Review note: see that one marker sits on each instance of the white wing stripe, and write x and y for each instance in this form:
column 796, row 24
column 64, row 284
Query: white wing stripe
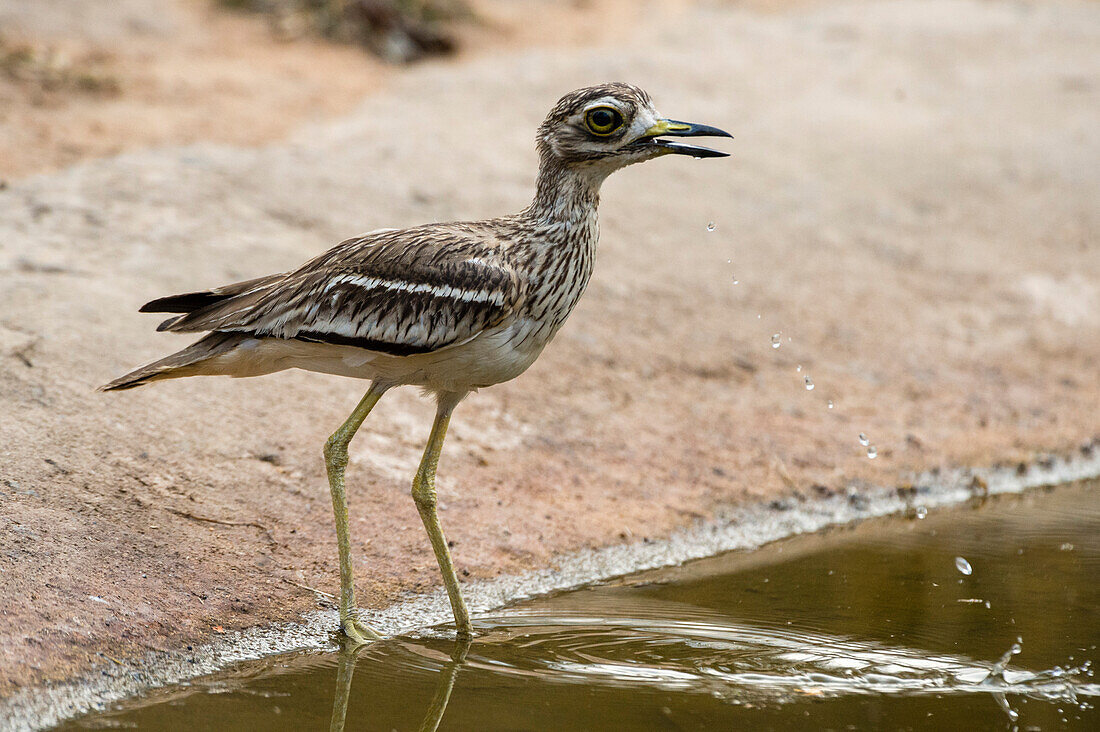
column 443, row 291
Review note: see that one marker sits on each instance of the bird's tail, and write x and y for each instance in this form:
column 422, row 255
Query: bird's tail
column 188, row 362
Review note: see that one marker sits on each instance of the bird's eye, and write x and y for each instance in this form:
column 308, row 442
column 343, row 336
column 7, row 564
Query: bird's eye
column 603, row 121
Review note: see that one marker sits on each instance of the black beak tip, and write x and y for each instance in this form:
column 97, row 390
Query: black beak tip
column 695, row 151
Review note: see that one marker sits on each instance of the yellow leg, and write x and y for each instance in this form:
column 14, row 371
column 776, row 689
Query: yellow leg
column 423, row 492
column 336, row 461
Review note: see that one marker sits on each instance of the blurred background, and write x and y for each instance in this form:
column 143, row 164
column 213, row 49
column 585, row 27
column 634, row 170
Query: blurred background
column 82, row 78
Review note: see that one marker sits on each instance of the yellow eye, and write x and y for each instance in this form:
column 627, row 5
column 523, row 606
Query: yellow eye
column 603, row 121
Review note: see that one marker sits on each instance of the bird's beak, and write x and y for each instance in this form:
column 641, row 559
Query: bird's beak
column 672, row 128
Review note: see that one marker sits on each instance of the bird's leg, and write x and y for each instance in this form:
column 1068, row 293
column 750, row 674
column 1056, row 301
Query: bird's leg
column 423, row 492
column 336, row 461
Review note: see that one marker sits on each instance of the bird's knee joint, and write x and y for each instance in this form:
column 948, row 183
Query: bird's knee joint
column 423, row 493
column 336, row 450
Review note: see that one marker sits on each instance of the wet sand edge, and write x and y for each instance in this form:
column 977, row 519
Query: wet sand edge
column 740, row 528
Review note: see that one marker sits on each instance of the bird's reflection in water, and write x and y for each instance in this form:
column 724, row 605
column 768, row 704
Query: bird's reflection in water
column 345, row 670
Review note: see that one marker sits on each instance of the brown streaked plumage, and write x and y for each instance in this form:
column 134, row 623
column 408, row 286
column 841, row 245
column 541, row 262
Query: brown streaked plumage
column 448, row 307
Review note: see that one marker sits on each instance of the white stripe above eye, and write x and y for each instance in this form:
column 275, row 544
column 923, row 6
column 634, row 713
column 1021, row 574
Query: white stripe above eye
column 605, row 102
column 443, row 291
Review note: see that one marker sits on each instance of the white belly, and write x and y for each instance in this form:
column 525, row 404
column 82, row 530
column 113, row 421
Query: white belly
column 494, row 356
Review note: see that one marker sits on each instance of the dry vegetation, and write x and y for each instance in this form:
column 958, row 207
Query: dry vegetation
column 398, row 31
column 43, row 70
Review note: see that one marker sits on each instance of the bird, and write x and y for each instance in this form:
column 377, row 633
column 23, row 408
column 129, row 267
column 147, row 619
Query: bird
column 447, row 307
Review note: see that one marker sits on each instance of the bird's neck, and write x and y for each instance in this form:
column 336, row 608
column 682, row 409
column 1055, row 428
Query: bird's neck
column 565, row 195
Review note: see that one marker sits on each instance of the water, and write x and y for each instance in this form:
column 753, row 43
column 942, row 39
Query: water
column 868, row 627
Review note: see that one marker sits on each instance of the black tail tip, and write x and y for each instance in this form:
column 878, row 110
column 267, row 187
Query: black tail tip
column 123, row 384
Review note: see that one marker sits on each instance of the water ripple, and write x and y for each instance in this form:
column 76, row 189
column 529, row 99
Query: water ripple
column 729, row 660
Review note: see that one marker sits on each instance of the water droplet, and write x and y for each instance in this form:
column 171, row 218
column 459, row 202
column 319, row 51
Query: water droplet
column 922, row 511
column 798, row 368
column 729, row 261
column 998, row 670
column 1067, row 547
column 775, row 341
column 759, row 316
column 711, row 226
column 831, row 405
column 963, row 566
column 987, row 604
column 735, row 280
column 863, row 440
column 872, row 452
column 809, row 383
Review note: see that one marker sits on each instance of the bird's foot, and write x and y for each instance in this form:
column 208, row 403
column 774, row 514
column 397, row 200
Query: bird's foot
column 358, row 632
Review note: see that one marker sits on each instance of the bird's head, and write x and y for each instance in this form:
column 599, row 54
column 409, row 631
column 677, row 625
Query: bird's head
column 606, row 127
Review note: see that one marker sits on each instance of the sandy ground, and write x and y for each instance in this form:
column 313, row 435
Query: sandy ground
column 911, row 205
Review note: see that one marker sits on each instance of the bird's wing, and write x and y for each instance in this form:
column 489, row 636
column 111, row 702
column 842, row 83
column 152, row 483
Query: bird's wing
column 189, row 302
column 399, row 292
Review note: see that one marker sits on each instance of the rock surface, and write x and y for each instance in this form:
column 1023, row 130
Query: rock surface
column 911, row 206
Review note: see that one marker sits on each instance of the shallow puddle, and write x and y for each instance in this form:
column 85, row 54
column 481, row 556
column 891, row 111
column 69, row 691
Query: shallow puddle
column 891, row 624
